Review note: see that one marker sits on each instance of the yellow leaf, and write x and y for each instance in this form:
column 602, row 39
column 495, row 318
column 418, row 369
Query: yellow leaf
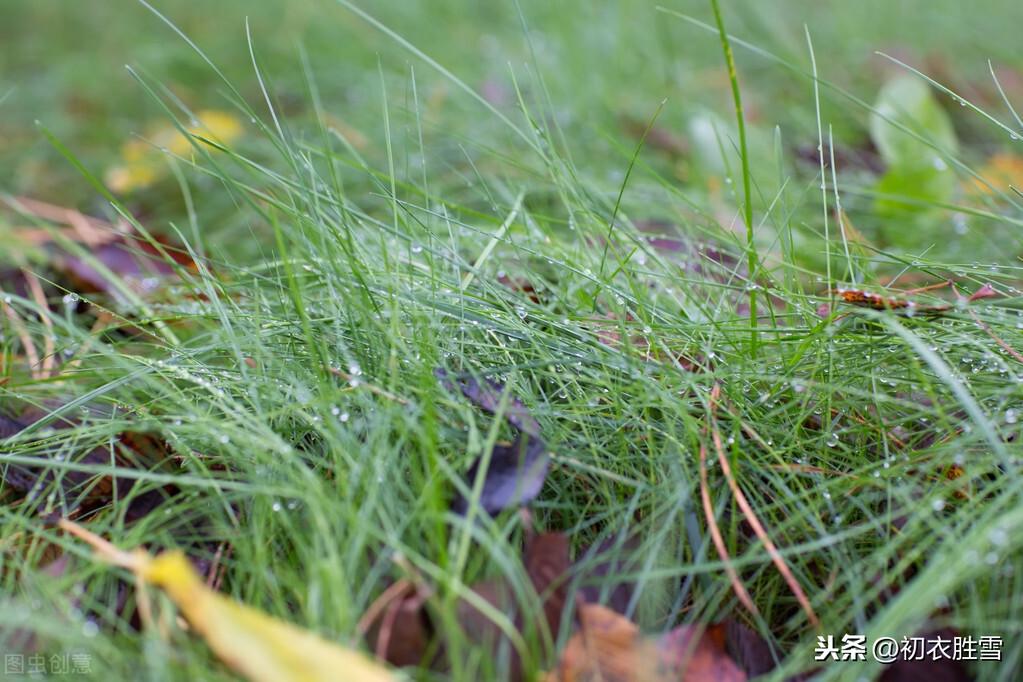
column 141, row 162
column 261, row 648
column 1000, row 171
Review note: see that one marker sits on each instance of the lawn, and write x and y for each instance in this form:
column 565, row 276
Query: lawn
column 431, row 326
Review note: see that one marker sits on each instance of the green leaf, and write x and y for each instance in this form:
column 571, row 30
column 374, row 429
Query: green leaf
column 918, row 177
column 909, row 102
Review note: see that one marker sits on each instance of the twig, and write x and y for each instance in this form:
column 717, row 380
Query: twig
column 719, row 541
column 1005, row 346
column 26, row 339
column 106, row 550
column 381, row 603
column 751, row 517
column 39, row 297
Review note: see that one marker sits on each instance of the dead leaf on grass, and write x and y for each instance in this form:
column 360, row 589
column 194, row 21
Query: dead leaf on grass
column 610, row 648
column 142, row 164
column 256, row 645
column 513, row 473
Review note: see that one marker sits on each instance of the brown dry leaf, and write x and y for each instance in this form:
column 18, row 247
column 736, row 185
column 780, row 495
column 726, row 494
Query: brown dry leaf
column 903, row 304
column 141, row 265
column 610, row 648
column 547, row 564
column 696, row 654
column 607, row 329
column 604, row 648
column 397, row 626
column 519, row 284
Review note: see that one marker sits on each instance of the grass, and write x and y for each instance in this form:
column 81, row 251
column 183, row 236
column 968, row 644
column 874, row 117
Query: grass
column 355, row 238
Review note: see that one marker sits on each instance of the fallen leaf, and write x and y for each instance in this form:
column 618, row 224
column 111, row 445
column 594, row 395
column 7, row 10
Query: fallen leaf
column 862, row 158
column 519, row 284
column 547, row 565
column 397, row 625
column 862, row 298
column 84, row 247
column 137, row 263
column 999, row 173
column 918, row 177
column 480, row 629
column 488, row 395
column 259, row 647
column 750, row 651
column 85, row 229
column 693, row 653
column 142, row 163
column 513, row 474
column 603, row 649
column 610, row 648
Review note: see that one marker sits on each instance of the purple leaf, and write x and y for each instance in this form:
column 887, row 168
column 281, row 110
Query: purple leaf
column 488, row 396
column 514, row 474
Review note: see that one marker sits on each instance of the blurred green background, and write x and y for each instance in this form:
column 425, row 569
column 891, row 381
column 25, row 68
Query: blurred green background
column 596, row 70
